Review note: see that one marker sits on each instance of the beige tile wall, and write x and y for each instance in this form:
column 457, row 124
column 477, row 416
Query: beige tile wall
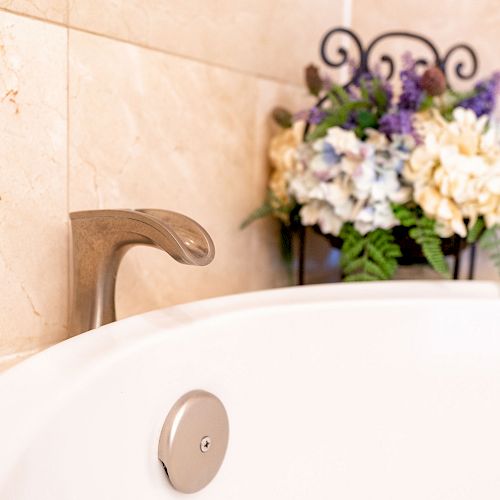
column 258, row 37
column 446, row 22
column 140, row 104
column 185, row 137
column 50, row 10
column 33, row 181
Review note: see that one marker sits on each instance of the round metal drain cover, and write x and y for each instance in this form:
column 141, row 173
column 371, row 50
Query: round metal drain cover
column 193, row 440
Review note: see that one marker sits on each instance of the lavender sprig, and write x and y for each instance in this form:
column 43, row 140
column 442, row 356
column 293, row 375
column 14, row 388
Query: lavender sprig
column 412, row 92
column 484, row 100
column 397, row 122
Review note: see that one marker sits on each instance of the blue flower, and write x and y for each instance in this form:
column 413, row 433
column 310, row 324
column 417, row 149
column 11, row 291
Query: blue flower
column 329, row 155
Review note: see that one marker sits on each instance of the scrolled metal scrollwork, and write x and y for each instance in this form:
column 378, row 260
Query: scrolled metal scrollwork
column 389, row 59
column 460, row 65
column 365, row 55
column 342, row 51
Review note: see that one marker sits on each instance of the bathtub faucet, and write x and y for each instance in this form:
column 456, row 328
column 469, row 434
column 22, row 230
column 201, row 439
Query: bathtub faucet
column 100, row 238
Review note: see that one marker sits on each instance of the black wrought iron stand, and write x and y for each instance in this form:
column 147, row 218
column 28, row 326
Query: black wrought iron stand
column 457, row 254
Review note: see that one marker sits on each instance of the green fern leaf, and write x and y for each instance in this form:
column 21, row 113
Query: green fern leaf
column 263, row 211
column 353, row 265
column 435, row 257
column 376, row 270
column 381, row 260
column 353, row 252
column 271, row 206
column 369, row 257
column 422, row 230
column 406, row 216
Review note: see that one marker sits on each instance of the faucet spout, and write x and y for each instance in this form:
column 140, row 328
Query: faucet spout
column 100, row 238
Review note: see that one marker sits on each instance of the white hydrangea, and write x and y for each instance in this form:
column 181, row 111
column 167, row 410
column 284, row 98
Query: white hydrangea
column 343, row 179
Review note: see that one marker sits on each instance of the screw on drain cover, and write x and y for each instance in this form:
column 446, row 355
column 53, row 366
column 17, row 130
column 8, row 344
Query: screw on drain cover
column 196, row 423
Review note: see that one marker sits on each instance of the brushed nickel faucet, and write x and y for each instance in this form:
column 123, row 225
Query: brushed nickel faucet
column 100, row 238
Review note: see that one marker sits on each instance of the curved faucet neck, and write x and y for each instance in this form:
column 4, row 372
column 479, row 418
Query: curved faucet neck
column 100, row 239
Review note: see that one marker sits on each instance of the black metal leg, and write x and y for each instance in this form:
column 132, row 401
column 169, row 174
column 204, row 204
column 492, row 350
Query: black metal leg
column 302, row 254
column 456, row 270
column 472, row 262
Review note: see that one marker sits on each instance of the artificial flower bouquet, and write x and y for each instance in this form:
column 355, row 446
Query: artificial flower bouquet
column 365, row 167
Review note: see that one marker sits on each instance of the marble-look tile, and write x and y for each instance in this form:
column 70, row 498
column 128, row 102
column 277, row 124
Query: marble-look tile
column 52, row 10
column 33, row 209
column 447, row 22
column 276, row 39
column 153, row 130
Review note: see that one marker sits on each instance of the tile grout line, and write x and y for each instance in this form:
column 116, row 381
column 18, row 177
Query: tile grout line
column 68, row 222
column 347, row 13
column 347, row 22
column 140, row 45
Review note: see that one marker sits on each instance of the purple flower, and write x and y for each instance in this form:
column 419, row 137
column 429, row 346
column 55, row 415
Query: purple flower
column 397, row 122
column 362, row 77
column 483, row 102
column 314, row 116
column 351, row 122
column 386, row 85
column 412, row 92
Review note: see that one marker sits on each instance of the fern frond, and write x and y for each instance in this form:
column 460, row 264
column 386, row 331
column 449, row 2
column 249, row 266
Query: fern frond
column 475, row 231
column 422, row 229
column 431, row 248
column 370, row 257
column 406, row 216
column 384, row 257
column 352, row 251
column 263, row 211
column 375, row 270
column 351, row 266
column 271, row 206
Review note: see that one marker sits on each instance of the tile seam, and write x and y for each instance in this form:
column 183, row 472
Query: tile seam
column 68, row 26
column 68, row 205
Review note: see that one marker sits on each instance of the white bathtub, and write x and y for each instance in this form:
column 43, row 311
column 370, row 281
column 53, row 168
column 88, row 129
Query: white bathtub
column 349, row 392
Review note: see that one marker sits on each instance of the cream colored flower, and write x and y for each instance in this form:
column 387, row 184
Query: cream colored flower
column 283, row 153
column 456, row 171
column 321, row 213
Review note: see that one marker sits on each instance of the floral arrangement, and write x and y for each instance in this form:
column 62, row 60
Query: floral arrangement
column 365, row 166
